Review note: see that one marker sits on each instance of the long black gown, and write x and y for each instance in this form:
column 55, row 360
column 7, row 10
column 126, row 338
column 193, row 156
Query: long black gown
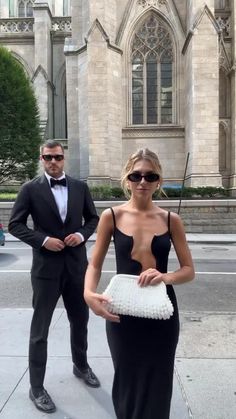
column 143, row 350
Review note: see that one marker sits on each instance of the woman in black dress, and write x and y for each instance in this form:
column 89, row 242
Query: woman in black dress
column 142, row 350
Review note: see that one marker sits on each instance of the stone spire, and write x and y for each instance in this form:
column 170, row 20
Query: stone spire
column 85, row 12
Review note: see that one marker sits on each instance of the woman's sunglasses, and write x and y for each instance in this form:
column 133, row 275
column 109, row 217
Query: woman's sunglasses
column 49, row 157
column 137, row 177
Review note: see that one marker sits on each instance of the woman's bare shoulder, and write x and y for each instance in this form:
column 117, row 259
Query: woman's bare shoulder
column 108, row 211
column 119, row 209
column 165, row 213
column 107, row 214
column 106, row 223
column 176, row 224
column 175, row 217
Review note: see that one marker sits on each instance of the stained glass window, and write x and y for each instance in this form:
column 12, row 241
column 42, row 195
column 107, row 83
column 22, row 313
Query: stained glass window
column 152, row 73
column 29, row 8
column 21, row 9
column 137, row 89
column 25, row 8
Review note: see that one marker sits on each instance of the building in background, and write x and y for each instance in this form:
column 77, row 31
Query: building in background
column 115, row 75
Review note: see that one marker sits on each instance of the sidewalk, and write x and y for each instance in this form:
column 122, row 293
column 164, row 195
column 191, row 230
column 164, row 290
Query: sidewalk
column 205, row 367
column 73, row 398
column 204, row 382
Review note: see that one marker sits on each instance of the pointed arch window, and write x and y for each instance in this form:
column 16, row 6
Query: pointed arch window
column 21, row 9
column 152, row 73
column 25, row 8
column 66, row 7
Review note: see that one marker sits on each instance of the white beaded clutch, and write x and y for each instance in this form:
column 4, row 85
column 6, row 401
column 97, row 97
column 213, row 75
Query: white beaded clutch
column 128, row 298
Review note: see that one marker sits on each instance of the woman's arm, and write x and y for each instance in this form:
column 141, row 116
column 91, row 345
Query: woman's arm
column 95, row 301
column 186, row 271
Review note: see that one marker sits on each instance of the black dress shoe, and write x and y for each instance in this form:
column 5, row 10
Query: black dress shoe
column 43, row 401
column 87, row 375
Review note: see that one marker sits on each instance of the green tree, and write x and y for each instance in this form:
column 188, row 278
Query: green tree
column 19, row 122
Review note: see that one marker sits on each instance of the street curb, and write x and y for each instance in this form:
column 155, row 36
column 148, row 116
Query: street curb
column 200, row 240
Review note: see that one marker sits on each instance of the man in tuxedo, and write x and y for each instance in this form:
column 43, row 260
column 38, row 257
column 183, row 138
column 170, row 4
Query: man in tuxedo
column 64, row 217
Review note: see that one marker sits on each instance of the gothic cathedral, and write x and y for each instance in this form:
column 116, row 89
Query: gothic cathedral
column 112, row 76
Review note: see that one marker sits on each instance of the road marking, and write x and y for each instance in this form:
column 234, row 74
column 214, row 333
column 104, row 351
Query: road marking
column 199, row 273
column 213, row 273
column 113, row 272
column 16, row 248
column 14, row 271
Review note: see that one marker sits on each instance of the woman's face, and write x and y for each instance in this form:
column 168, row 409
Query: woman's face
column 143, row 187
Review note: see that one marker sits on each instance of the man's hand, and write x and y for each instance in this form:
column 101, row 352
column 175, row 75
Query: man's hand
column 73, row 240
column 53, row 244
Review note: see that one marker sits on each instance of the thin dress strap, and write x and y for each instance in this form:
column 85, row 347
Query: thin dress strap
column 113, row 216
column 168, row 223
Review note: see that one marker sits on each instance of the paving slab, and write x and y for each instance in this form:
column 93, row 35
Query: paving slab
column 207, row 335
column 209, row 386
column 73, row 398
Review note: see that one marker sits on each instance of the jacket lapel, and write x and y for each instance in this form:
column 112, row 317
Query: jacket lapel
column 71, row 194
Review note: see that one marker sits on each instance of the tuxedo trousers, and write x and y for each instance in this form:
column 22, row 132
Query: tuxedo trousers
column 46, row 293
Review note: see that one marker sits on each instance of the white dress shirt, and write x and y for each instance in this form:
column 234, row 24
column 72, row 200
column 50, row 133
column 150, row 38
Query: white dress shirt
column 60, row 194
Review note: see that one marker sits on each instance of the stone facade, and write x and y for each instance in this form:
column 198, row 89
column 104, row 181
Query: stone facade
column 115, row 75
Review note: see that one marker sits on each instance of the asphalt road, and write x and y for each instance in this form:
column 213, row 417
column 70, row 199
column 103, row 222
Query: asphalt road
column 213, row 289
column 205, row 367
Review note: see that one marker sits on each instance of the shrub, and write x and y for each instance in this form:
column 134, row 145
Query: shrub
column 115, row 193
column 19, row 122
column 205, row 192
column 101, row 192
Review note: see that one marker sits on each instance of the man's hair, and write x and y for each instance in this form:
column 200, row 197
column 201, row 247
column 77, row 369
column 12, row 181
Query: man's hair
column 51, row 144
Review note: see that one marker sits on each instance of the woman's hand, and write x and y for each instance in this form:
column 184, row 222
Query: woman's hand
column 150, row 277
column 97, row 302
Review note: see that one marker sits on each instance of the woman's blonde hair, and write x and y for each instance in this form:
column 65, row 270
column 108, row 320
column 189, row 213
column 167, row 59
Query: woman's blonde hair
column 141, row 154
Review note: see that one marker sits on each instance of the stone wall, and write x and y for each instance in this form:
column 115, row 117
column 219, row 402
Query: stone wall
column 215, row 216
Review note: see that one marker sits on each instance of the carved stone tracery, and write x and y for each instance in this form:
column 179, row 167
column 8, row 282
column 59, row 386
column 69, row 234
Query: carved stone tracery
column 16, row 25
column 19, row 25
column 165, row 132
column 224, row 24
column 148, row 3
column 61, row 24
column 152, row 37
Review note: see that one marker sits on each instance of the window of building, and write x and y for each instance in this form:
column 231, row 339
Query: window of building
column 152, row 73
column 65, row 8
column 25, row 8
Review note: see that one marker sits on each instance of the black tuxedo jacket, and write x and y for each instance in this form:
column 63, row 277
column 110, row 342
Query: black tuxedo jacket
column 36, row 199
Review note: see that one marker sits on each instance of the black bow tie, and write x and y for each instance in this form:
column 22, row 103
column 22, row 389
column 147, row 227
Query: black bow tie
column 54, row 182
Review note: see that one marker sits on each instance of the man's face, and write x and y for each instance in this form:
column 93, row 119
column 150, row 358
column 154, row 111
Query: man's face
column 52, row 166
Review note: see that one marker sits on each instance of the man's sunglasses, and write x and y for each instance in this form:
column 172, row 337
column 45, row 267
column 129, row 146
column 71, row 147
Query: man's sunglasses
column 137, row 177
column 49, row 157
